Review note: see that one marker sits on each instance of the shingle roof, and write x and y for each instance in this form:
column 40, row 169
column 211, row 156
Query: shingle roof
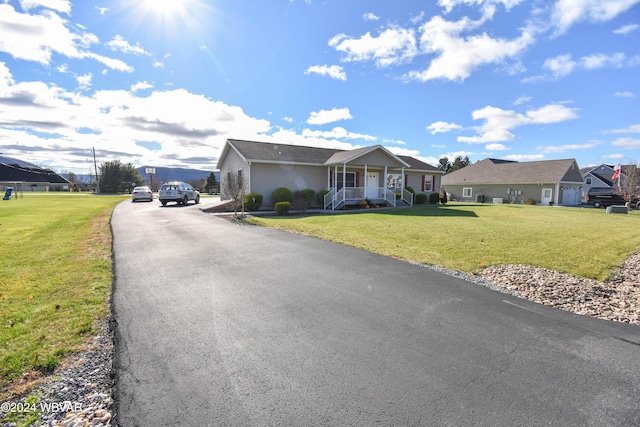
column 21, row 173
column 418, row 164
column 494, row 171
column 252, row 150
column 269, row 152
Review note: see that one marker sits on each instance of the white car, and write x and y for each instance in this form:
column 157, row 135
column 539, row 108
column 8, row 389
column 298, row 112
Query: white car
column 179, row 192
column 141, row 193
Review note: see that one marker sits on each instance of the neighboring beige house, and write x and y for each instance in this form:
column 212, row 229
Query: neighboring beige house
column 350, row 176
column 547, row 182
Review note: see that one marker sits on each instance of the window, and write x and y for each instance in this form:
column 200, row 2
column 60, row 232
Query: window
column 239, row 174
column 467, row 192
column 351, row 180
column 427, row 182
column 588, row 181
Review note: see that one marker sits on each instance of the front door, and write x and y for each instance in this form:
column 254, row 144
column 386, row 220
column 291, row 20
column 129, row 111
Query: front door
column 547, row 196
column 372, row 185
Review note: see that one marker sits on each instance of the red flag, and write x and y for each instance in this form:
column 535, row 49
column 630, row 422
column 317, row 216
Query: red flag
column 616, row 172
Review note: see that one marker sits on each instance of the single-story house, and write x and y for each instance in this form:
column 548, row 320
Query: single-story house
column 24, row 176
column 544, row 182
column 349, row 176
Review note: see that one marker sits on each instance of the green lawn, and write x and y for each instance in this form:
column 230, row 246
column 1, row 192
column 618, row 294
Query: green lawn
column 55, row 277
column 468, row 237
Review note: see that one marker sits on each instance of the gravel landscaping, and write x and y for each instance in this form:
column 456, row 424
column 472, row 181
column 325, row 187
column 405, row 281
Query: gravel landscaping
column 86, row 380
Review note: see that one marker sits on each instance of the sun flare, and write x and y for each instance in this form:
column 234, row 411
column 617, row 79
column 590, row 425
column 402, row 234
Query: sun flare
column 165, row 8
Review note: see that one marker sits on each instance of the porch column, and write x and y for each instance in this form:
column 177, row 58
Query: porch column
column 365, row 180
column 402, row 181
column 384, row 182
column 328, row 177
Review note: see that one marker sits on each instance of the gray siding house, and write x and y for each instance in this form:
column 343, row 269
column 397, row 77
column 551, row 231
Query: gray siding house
column 545, row 182
column 349, row 176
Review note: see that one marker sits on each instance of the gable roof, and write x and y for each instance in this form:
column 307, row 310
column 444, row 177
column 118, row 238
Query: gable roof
column 416, row 164
column 267, row 152
column 26, row 172
column 496, row 171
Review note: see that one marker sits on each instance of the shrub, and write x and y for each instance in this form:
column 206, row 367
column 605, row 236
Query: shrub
column 300, row 202
column 434, row 198
column 282, row 208
column 529, row 202
column 252, row 202
column 282, row 195
column 320, row 196
column 309, row 194
column 410, row 190
column 421, row 199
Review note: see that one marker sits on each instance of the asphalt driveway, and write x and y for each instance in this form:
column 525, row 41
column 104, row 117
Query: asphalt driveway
column 226, row 324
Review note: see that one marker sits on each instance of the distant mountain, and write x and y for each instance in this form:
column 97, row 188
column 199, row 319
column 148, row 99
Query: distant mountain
column 176, row 174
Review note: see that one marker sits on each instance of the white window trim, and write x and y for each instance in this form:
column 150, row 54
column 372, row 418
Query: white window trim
column 466, row 190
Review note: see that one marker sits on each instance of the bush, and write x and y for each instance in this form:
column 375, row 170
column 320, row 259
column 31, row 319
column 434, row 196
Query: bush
column 300, row 202
column 421, row 199
column 434, row 198
column 309, row 195
column 320, row 196
column 529, row 202
column 410, row 190
column 252, row 202
column 282, row 195
column 282, row 208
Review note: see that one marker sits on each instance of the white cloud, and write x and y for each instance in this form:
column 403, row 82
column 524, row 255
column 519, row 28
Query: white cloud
column 336, row 133
column 393, row 46
column 120, row 44
column 334, row 71
column 630, row 129
column 495, row 147
column 141, row 86
column 288, row 119
column 488, row 6
column 102, row 10
column 626, row 29
column 569, row 12
column 566, row 147
column 190, row 136
column 599, row 60
column 625, row 94
column 157, row 64
column 456, row 56
column 329, row 116
column 63, row 6
column 442, row 127
column 37, row 37
column 370, row 17
column 524, row 157
column 498, row 123
column 522, row 100
column 628, row 143
column 561, row 65
column 84, row 81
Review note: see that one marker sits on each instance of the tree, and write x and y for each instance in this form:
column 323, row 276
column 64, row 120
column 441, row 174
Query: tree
column 458, row 163
column 116, row 177
column 212, row 184
column 628, row 186
column 233, row 187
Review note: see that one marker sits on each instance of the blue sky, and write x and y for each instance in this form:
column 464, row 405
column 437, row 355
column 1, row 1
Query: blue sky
column 166, row 82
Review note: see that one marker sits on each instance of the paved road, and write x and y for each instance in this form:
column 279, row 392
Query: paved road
column 225, row 324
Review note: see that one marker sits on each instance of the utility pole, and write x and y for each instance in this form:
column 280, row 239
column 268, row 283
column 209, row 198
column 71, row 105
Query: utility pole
column 95, row 165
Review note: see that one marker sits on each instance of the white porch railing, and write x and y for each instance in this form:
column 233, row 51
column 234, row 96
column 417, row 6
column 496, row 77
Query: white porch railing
column 355, row 194
column 407, row 197
column 328, row 198
column 390, row 196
